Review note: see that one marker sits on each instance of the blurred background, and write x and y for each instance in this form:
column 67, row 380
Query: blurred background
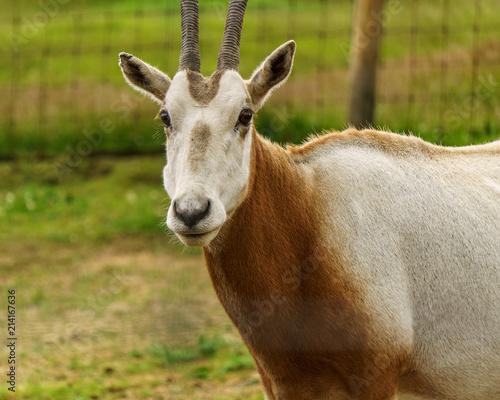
column 109, row 304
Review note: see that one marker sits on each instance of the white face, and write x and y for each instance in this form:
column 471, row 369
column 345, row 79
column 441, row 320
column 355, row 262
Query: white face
column 208, row 152
column 209, row 137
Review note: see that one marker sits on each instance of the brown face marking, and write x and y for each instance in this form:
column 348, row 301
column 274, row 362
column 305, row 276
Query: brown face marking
column 243, row 131
column 199, row 141
column 202, row 89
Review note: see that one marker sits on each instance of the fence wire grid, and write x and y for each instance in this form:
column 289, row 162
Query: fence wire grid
column 438, row 72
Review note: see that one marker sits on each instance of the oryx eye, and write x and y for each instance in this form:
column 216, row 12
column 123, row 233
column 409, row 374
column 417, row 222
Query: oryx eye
column 245, row 117
column 165, row 117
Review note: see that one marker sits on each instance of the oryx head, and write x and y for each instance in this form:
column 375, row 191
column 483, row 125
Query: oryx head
column 208, row 123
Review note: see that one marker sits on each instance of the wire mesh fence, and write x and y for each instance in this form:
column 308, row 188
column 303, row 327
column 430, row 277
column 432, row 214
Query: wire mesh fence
column 438, row 73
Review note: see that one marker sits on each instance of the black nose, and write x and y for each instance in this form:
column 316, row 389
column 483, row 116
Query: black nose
column 191, row 217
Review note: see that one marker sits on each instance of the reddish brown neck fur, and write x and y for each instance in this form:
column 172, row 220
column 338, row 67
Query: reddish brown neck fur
column 299, row 314
column 248, row 263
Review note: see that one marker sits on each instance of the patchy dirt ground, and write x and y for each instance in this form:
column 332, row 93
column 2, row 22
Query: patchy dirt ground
column 127, row 319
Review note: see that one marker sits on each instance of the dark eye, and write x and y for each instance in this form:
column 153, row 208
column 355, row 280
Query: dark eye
column 165, row 117
column 245, row 117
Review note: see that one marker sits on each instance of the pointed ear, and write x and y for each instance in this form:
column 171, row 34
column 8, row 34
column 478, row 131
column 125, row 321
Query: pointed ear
column 144, row 77
column 272, row 73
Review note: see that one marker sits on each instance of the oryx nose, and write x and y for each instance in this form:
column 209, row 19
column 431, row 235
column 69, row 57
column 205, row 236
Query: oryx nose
column 192, row 215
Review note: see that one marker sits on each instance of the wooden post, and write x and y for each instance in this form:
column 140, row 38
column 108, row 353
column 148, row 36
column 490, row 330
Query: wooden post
column 367, row 27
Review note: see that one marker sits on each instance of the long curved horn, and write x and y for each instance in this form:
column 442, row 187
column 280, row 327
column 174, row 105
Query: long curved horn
column 229, row 54
column 190, row 50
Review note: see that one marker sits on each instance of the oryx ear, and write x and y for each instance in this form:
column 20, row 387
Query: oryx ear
column 272, row 73
column 144, row 77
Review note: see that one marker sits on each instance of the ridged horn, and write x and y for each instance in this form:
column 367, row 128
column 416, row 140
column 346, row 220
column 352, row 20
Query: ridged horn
column 229, row 54
column 190, row 50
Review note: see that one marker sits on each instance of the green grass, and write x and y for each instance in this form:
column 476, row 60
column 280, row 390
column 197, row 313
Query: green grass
column 109, row 305
column 65, row 78
column 99, row 200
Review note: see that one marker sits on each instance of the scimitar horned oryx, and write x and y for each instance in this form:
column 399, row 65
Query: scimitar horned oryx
column 359, row 265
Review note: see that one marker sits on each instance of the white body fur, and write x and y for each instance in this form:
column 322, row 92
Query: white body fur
column 423, row 237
